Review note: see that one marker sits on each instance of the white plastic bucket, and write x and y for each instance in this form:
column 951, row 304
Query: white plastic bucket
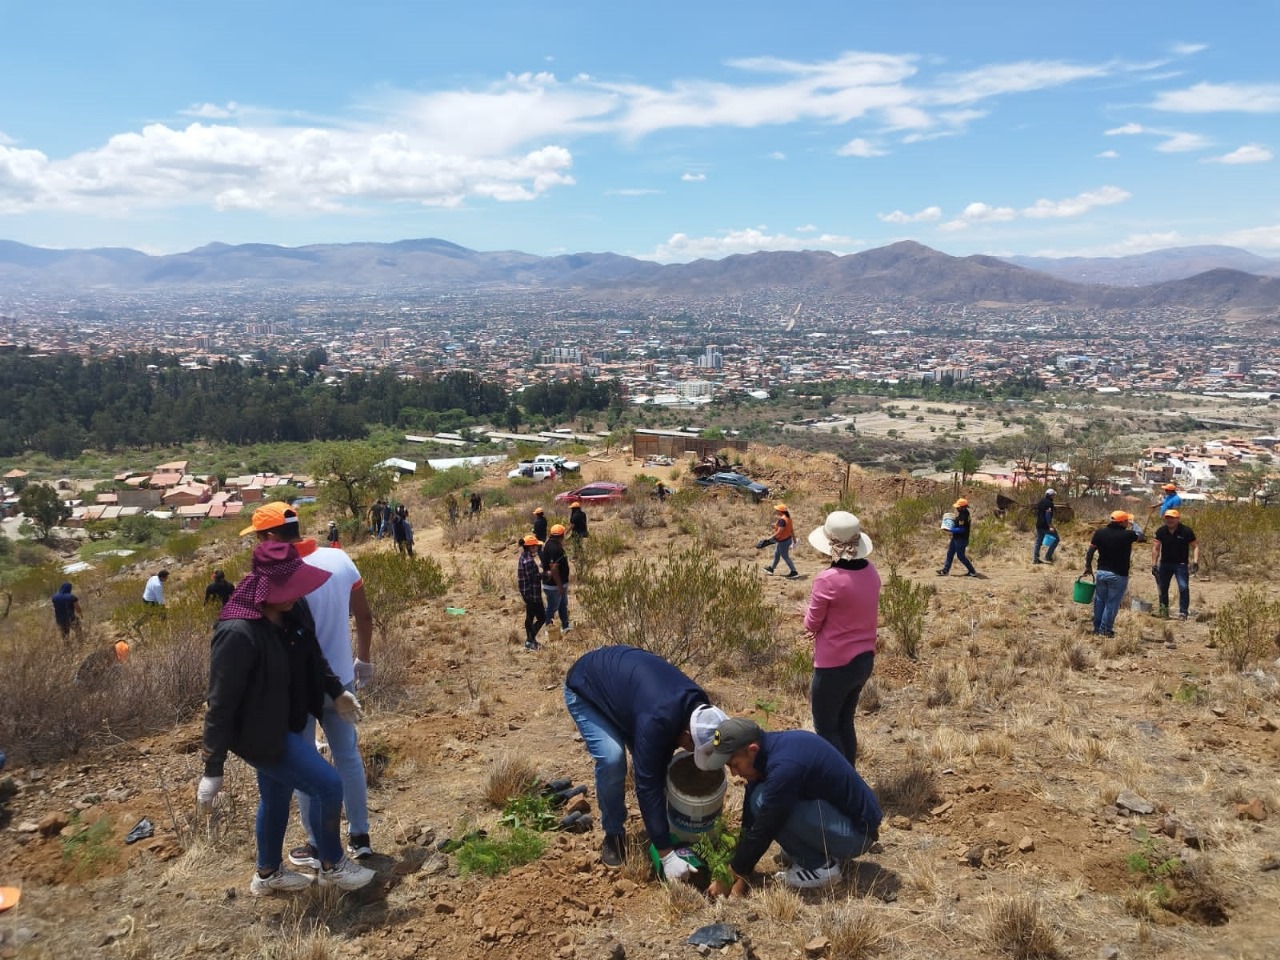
column 694, row 797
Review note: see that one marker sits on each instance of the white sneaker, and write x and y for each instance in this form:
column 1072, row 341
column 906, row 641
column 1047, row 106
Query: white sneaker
column 346, row 875
column 804, row 878
column 282, row 881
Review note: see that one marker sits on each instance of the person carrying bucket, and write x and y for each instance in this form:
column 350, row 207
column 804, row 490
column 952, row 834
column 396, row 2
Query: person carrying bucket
column 800, row 792
column 623, row 698
column 1113, row 544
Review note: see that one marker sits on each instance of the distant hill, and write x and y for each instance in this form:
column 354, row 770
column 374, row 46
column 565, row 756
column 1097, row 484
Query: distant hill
column 1158, row 266
column 903, row 271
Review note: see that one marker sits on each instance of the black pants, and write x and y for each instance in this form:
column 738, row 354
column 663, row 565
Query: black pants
column 535, row 615
column 833, row 697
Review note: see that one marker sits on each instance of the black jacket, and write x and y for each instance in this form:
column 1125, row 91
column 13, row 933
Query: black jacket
column 540, row 527
column 1044, row 513
column 264, row 680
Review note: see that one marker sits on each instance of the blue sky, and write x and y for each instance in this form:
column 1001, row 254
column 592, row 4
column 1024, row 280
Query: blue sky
column 662, row 130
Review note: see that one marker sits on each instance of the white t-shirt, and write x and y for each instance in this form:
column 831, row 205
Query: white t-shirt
column 154, row 590
column 331, row 607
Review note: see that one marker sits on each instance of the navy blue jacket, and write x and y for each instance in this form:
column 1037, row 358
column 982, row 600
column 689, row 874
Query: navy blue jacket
column 648, row 701
column 797, row 765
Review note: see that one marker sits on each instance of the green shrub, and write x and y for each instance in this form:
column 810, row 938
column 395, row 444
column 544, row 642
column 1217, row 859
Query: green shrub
column 903, row 605
column 683, row 606
column 394, row 584
column 182, row 546
column 1247, row 628
column 438, row 483
column 491, row 856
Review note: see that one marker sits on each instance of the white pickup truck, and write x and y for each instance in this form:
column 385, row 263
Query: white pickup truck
column 533, row 471
column 560, row 463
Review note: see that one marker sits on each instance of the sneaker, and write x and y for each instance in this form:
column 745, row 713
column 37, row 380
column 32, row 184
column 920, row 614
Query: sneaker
column 1048, row 559
column 768, row 569
column 1037, row 561
column 531, row 645
column 346, row 875
column 972, row 573
column 944, row 573
column 802, row 878
column 305, row 856
column 613, row 850
column 282, row 881
column 358, row 845
column 1182, row 616
column 566, row 628
column 793, row 575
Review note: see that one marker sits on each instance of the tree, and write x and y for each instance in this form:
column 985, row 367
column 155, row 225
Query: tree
column 350, row 478
column 1094, row 458
column 42, row 506
column 966, row 463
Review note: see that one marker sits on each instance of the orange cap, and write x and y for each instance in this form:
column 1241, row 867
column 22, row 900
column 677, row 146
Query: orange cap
column 962, row 502
column 269, row 516
column 576, row 503
column 1119, row 516
column 1170, row 487
column 780, row 507
column 537, row 511
column 531, row 541
column 1176, row 514
column 557, row 530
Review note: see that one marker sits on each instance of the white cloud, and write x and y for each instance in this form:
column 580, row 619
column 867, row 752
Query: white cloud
column 693, row 177
column 807, row 228
column 632, row 192
column 1004, row 78
column 1077, row 205
column 211, row 111
column 860, row 147
column 278, row 169
column 1188, row 49
column 1249, row 153
column 951, row 226
column 682, row 247
column 1255, row 238
column 985, row 213
column 777, row 155
column 1106, row 155
column 1221, row 97
column 1182, row 142
column 927, row 215
column 1175, row 141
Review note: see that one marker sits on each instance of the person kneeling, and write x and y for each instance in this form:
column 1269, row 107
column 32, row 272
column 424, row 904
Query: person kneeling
column 800, row 792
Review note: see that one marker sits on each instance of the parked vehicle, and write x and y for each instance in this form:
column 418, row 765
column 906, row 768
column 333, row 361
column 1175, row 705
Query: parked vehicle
column 603, row 492
column 560, row 463
column 740, row 482
column 533, row 471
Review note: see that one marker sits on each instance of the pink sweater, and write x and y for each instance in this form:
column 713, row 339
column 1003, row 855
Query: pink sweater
column 843, row 610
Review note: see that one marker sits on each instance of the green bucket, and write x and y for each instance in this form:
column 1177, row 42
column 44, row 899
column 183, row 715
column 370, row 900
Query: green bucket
column 1082, row 592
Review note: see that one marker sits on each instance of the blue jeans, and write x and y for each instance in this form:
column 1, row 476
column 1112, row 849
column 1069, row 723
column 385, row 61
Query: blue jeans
column 815, row 832
column 956, row 551
column 605, row 744
column 557, row 600
column 1108, row 592
column 1040, row 538
column 299, row 768
column 1167, row 572
column 345, row 755
column 782, row 552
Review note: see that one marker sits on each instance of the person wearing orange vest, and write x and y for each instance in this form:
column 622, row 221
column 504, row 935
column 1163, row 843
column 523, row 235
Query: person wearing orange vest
column 783, row 534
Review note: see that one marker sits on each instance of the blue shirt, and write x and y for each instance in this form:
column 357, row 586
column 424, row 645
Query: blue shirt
column 648, row 702
column 1171, row 502
column 796, row 765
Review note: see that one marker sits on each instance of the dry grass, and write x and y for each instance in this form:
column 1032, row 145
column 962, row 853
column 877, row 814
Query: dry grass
column 853, row 931
column 910, row 793
column 1017, row 929
column 510, row 777
column 680, row 901
column 780, row 904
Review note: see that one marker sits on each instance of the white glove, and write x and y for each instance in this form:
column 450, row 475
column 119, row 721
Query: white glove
column 348, row 707
column 364, row 672
column 209, row 788
column 676, row 867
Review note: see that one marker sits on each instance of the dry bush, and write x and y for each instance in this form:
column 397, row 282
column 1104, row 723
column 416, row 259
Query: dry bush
column 910, row 793
column 852, row 929
column 1247, row 628
column 680, row 901
column 903, row 606
column 779, row 903
column 870, row 700
column 1018, row 929
column 644, row 513
column 510, row 777
column 1077, row 657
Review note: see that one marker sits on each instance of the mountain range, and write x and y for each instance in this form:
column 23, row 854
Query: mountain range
column 1201, row 278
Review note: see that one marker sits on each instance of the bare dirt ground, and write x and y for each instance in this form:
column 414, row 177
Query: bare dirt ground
column 1002, row 756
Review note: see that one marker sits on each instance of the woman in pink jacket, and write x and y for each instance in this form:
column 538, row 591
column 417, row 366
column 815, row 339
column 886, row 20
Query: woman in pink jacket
column 844, row 608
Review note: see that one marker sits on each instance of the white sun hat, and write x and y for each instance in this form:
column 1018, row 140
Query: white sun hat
column 841, row 537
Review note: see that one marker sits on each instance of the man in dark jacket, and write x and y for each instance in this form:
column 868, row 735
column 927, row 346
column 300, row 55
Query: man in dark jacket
column 219, row 588
column 540, row 524
column 1044, row 525
column 66, row 610
column 1113, row 544
column 801, row 792
column 623, row 698
column 555, row 579
column 577, row 521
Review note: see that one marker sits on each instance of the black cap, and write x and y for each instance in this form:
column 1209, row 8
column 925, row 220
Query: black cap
column 730, row 737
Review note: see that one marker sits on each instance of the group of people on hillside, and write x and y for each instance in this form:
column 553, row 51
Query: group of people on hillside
column 542, row 573
column 386, row 519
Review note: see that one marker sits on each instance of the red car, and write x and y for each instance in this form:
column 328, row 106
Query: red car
column 603, row 492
